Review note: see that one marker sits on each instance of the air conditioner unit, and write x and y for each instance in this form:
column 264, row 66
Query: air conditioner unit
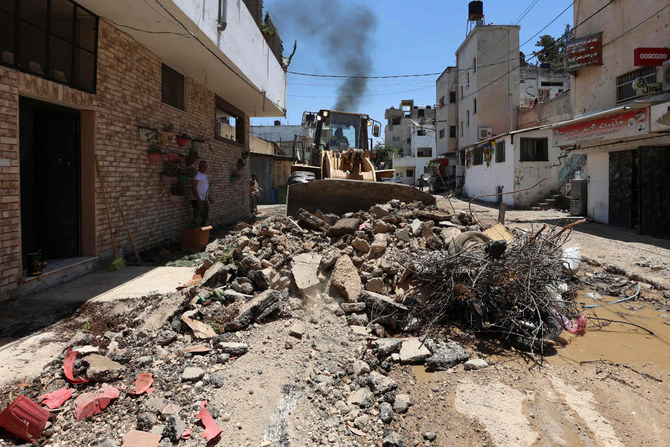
column 665, row 75
column 485, row 132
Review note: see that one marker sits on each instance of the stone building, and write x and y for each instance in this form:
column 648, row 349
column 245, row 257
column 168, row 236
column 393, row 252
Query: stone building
column 79, row 82
column 399, row 122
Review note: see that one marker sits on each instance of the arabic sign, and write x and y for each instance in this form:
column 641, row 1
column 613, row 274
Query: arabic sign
column 624, row 124
column 643, row 88
column 651, row 56
column 584, row 52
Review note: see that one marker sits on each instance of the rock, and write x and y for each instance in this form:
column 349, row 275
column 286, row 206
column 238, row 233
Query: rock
column 246, row 288
column 449, row 234
column 361, row 397
column 385, row 412
column 413, row 351
column 362, row 421
column 255, row 309
column 232, row 296
column 434, row 242
column 233, row 348
column 427, row 229
column 403, row 234
column 329, row 259
column 386, row 346
column 475, row 364
column 375, row 285
column 101, row 368
column 380, row 384
column 216, row 379
column 251, row 262
column 379, row 211
column 594, row 296
column 174, row 429
column 106, row 442
column 401, row 404
column 393, row 440
column 216, row 274
column 192, row 374
column 445, row 355
column 435, row 215
column 344, row 226
column 360, row 367
column 305, row 270
column 361, row 245
column 242, row 242
column 154, row 404
column 222, row 358
column 349, row 308
column 415, row 227
column 297, row 329
column 380, row 227
column 311, row 221
column 345, row 279
column 261, row 278
column 357, row 320
column 146, row 421
column 379, row 244
column 429, row 436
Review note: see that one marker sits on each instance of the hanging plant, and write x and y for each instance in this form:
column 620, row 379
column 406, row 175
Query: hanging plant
column 234, row 176
column 244, row 155
column 240, row 164
column 155, row 150
column 488, row 153
column 182, row 140
column 468, row 158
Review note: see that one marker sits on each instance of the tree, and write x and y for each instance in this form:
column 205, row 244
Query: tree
column 552, row 51
column 384, row 154
column 522, row 59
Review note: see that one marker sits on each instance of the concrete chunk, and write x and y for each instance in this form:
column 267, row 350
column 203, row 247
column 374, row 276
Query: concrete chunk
column 305, row 270
column 413, row 351
column 345, row 278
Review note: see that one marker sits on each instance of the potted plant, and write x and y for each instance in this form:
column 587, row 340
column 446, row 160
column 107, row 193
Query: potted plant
column 186, row 175
column 155, row 149
column 169, row 174
column 146, row 133
column 177, row 191
column 195, row 237
column 192, row 155
column 182, row 140
column 167, row 134
column 267, row 29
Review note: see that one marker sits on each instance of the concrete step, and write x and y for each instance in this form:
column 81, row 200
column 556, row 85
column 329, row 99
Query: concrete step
column 57, row 271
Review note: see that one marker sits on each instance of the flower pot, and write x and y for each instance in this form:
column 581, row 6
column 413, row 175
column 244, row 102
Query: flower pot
column 182, row 141
column 166, row 137
column 145, row 133
column 266, row 37
column 173, row 157
column 168, row 179
column 190, row 160
column 155, row 157
column 194, row 240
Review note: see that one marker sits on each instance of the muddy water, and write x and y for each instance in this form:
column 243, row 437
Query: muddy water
column 620, row 343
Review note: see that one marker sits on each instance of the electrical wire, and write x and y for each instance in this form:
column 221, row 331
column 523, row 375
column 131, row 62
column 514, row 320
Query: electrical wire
column 645, row 20
column 144, row 30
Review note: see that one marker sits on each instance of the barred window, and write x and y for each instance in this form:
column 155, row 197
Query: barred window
column 624, row 83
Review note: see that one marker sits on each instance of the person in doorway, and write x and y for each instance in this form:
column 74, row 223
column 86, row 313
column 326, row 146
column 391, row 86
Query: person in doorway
column 200, row 190
column 422, row 183
column 339, row 141
column 254, row 194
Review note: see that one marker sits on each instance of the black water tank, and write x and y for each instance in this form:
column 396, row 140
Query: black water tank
column 475, row 10
column 277, row 123
column 545, row 65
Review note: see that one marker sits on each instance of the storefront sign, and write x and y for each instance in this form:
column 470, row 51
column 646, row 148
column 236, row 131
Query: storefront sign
column 643, row 88
column 624, row 124
column 584, row 52
column 651, row 56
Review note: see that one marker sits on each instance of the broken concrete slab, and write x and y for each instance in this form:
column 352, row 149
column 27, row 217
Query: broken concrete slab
column 413, row 351
column 349, row 308
column 345, row 279
column 305, row 270
column 380, row 384
column 297, row 330
column 362, row 397
column 256, row 308
column 192, row 374
column 403, row 234
column 415, row 227
column 380, row 226
column 386, row 346
column 344, row 226
column 379, row 211
column 475, row 364
column 445, row 355
column 379, row 244
column 233, row 348
column 361, row 245
column 101, row 368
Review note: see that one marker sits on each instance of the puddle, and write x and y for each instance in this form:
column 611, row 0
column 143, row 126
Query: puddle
column 276, row 431
column 620, row 343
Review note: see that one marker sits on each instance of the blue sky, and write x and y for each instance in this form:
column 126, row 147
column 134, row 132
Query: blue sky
column 411, row 37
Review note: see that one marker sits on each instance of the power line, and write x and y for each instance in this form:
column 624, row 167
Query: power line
column 645, row 20
column 363, row 77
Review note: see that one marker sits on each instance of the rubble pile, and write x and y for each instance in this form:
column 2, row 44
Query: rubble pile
column 148, row 379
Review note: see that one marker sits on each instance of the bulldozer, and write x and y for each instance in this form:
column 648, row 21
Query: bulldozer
column 338, row 176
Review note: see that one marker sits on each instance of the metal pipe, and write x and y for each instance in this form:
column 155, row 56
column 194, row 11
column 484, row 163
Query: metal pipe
column 223, row 15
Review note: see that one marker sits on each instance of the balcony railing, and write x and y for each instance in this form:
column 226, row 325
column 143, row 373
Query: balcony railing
column 255, row 7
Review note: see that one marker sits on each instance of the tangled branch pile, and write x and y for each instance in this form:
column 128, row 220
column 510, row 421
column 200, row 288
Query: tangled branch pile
column 522, row 295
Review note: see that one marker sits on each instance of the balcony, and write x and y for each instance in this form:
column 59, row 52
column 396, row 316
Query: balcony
column 234, row 61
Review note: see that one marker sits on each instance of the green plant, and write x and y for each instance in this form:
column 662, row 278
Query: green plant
column 234, row 176
column 218, row 327
column 199, row 216
column 170, row 169
column 227, row 256
column 169, row 127
column 86, row 326
column 155, row 143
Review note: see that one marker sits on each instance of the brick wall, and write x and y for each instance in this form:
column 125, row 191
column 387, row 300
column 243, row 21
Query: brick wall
column 128, row 94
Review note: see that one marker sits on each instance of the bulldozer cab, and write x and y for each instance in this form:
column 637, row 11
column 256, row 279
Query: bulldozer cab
column 340, row 131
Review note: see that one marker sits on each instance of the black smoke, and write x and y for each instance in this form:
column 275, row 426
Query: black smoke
column 340, row 32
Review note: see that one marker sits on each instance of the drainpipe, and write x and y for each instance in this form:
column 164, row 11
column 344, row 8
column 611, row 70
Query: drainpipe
column 223, row 15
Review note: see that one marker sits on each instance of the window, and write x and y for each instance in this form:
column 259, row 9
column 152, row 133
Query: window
column 467, row 123
column 229, row 123
column 442, row 101
column 421, row 132
column 544, row 94
column 452, row 97
column 172, row 87
column 409, row 140
column 58, row 42
column 474, row 64
column 461, row 92
column 396, row 138
column 474, row 112
column 441, row 133
column 500, row 151
column 410, row 173
column 478, row 156
column 395, row 120
column 461, row 157
column 624, row 83
column 534, row 149
column 424, row 152
column 452, row 131
column 551, row 84
column 467, row 77
column 421, row 113
column 461, row 128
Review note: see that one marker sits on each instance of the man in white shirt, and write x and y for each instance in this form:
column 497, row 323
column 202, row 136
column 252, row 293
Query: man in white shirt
column 200, row 190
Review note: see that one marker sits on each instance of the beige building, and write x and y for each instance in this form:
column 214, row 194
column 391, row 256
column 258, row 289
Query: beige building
column 620, row 104
column 447, row 111
column 399, row 124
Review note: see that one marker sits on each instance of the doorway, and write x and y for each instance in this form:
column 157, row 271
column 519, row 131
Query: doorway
column 50, row 179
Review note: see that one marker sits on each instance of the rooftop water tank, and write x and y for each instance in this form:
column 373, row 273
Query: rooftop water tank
column 475, row 10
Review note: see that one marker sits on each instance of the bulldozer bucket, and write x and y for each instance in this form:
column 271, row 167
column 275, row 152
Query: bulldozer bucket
column 343, row 196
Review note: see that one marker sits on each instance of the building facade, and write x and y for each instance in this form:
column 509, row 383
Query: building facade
column 113, row 71
column 399, row 123
column 621, row 104
column 409, row 168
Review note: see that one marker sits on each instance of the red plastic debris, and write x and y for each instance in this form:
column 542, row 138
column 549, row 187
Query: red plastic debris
column 57, row 398
column 89, row 404
column 70, row 355
column 186, row 434
column 212, row 431
column 577, row 327
column 24, row 418
column 143, row 383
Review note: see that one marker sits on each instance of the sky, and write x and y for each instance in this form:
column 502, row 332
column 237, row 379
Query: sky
column 405, row 37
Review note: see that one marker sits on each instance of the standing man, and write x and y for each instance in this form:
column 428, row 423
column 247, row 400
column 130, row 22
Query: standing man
column 200, row 190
